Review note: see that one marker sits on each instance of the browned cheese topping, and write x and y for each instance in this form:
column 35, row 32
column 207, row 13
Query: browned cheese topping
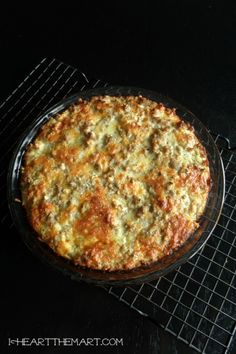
column 114, row 183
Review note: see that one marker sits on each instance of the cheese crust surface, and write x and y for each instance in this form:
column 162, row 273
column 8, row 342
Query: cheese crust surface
column 114, row 183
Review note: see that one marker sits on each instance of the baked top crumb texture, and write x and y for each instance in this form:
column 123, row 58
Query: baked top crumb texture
column 114, row 183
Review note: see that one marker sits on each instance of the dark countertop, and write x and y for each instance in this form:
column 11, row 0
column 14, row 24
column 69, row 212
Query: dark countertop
column 186, row 51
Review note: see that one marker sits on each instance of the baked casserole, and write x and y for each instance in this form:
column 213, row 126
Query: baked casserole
column 115, row 182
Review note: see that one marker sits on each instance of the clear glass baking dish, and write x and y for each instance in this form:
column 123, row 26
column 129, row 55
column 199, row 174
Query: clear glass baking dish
column 195, row 242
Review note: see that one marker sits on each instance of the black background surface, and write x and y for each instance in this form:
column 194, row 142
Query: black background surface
column 183, row 49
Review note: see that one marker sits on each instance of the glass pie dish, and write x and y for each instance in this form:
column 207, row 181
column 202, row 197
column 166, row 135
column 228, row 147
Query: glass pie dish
column 149, row 272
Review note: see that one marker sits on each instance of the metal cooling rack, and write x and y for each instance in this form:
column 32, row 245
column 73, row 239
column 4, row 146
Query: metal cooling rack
column 197, row 302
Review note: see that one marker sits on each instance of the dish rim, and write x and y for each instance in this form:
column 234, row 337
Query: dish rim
column 120, row 277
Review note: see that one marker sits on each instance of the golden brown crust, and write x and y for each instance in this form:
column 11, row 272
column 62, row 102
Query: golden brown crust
column 115, row 182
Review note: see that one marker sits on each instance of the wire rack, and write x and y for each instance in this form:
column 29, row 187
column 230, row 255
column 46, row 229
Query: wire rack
column 196, row 302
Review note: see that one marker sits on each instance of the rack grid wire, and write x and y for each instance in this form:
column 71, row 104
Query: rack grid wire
column 196, row 302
